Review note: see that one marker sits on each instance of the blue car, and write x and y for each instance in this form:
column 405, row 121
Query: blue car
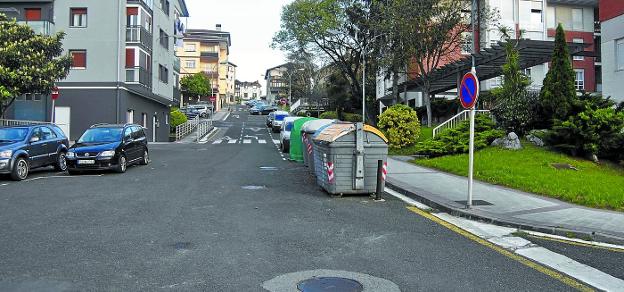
column 23, row 148
column 108, row 147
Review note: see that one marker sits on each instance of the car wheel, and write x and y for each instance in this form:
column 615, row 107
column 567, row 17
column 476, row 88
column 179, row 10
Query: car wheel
column 20, row 169
column 61, row 162
column 145, row 160
column 122, row 164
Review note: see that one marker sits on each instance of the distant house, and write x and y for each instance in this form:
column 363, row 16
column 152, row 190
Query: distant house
column 248, row 90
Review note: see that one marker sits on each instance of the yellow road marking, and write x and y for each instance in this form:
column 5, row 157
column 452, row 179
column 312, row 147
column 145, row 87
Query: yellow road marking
column 531, row 264
column 583, row 244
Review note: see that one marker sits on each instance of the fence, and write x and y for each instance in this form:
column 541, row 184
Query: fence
column 203, row 128
column 9, row 123
column 188, row 127
column 455, row 120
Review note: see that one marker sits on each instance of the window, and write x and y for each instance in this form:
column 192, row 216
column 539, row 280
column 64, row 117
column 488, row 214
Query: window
column 577, row 19
column 578, row 58
column 189, row 64
column 47, row 133
column 579, row 81
column 79, row 59
column 163, row 74
column 619, row 54
column 164, row 39
column 132, row 16
column 164, row 5
column 32, row 14
column 466, row 48
column 190, row 48
column 78, row 17
column 130, row 116
column 527, row 72
column 166, row 118
column 536, row 16
column 127, row 134
column 144, row 120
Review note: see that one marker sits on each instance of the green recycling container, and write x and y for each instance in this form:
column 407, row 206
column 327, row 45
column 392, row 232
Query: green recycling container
column 296, row 153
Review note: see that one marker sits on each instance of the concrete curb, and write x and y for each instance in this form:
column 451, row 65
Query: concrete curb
column 439, row 203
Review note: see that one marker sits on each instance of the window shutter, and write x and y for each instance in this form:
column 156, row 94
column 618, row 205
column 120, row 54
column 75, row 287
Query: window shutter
column 79, row 59
column 130, row 58
column 78, row 11
column 33, row 14
column 132, row 11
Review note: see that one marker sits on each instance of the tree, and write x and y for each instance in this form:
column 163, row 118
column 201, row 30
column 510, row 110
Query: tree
column 515, row 105
column 196, row 85
column 558, row 92
column 432, row 32
column 401, row 125
column 29, row 62
column 334, row 29
column 338, row 93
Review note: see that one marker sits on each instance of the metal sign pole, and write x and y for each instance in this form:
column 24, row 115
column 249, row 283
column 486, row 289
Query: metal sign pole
column 471, row 158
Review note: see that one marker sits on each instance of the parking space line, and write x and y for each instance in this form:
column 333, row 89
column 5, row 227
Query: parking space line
column 262, row 141
column 232, row 141
column 4, row 185
column 247, row 141
column 217, row 142
column 275, row 141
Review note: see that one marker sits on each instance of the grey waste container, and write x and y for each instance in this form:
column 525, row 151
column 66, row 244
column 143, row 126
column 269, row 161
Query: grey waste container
column 307, row 133
column 346, row 158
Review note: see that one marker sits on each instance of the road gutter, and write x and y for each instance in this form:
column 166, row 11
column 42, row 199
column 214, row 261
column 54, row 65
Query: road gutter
column 502, row 240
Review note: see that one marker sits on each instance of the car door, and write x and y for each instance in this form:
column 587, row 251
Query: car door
column 51, row 144
column 129, row 145
column 141, row 140
column 37, row 148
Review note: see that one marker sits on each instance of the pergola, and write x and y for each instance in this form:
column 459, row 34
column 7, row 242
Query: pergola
column 488, row 63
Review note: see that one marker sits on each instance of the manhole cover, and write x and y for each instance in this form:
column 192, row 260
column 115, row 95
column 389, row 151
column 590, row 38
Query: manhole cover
column 476, row 203
column 321, row 284
column 253, row 187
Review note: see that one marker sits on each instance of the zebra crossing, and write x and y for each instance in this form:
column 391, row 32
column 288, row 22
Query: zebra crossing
column 242, row 141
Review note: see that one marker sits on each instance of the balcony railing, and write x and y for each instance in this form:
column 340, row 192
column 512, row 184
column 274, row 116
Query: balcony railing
column 176, row 64
column 147, row 4
column 139, row 75
column 40, row 26
column 138, row 34
column 208, row 54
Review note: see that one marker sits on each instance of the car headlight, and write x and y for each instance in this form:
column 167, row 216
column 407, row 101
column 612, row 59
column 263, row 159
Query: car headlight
column 109, row 153
column 70, row 155
column 6, row 154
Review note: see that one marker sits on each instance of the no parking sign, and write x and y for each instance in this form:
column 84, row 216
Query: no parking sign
column 469, row 90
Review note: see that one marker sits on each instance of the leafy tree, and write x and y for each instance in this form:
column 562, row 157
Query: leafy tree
column 515, row 106
column 558, row 92
column 196, row 85
column 338, row 93
column 177, row 118
column 400, row 124
column 29, row 62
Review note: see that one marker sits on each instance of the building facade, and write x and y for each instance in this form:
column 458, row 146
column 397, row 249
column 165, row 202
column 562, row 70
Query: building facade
column 536, row 20
column 230, row 82
column 207, row 51
column 123, row 62
column 276, row 83
column 612, row 35
column 248, row 90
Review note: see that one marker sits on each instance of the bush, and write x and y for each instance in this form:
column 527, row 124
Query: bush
column 177, row 118
column 400, row 124
column 594, row 128
column 456, row 140
column 329, row 115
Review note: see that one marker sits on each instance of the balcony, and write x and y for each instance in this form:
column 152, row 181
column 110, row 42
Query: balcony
column 177, row 94
column 176, row 64
column 147, row 4
column 209, row 55
column 40, row 26
column 137, row 34
column 139, row 75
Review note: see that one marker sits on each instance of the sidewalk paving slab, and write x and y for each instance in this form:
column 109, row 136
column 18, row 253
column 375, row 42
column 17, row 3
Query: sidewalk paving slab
column 502, row 205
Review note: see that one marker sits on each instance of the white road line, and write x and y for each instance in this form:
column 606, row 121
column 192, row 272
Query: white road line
column 407, row 199
column 232, row 141
column 276, row 141
column 262, row 141
column 217, row 142
column 4, row 185
column 247, row 141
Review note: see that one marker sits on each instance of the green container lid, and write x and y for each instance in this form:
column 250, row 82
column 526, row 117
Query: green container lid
column 296, row 152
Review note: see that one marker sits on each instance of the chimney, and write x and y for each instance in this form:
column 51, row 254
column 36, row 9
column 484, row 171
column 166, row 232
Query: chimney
column 218, row 27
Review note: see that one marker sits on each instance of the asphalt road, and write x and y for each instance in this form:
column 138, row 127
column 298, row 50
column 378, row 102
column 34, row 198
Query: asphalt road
column 225, row 216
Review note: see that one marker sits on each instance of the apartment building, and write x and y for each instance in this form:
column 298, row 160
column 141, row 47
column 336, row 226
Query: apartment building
column 229, row 81
column 208, row 51
column 612, row 36
column 248, row 90
column 277, row 83
column 536, row 20
column 123, row 62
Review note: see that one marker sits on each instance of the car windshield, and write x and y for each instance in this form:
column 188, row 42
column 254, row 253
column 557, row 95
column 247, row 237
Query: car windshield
column 101, row 135
column 13, row 134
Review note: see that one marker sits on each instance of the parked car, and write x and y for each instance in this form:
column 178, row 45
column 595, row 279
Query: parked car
column 108, row 147
column 191, row 113
column 256, row 110
column 269, row 119
column 285, row 133
column 276, row 125
column 267, row 109
column 203, row 109
column 23, row 148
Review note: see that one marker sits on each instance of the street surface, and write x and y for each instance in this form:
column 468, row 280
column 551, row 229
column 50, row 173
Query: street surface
column 228, row 215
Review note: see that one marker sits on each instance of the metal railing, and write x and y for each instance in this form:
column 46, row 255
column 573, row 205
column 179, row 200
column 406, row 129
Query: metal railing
column 139, row 75
column 188, row 127
column 203, row 128
column 138, row 34
column 43, row 27
column 455, row 120
column 10, row 123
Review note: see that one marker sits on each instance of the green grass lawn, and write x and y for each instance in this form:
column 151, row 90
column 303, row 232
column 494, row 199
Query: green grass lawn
column 425, row 134
column 530, row 170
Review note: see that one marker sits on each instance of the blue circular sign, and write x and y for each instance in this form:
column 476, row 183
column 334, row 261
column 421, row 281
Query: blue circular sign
column 469, row 90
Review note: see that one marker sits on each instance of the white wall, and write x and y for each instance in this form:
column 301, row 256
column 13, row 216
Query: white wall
column 612, row 79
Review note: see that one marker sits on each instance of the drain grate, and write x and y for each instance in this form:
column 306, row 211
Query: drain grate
column 322, row 284
column 476, row 203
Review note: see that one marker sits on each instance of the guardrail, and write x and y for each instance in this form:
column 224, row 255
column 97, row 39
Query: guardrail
column 203, row 128
column 9, row 123
column 188, row 127
column 455, row 120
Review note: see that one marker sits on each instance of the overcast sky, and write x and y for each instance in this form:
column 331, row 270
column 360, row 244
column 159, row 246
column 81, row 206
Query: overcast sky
column 251, row 23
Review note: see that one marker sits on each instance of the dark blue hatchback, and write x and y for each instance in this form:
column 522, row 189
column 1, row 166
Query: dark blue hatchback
column 23, row 148
column 108, row 146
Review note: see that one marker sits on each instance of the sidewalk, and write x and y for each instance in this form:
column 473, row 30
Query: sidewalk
column 192, row 137
column 503, row 206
